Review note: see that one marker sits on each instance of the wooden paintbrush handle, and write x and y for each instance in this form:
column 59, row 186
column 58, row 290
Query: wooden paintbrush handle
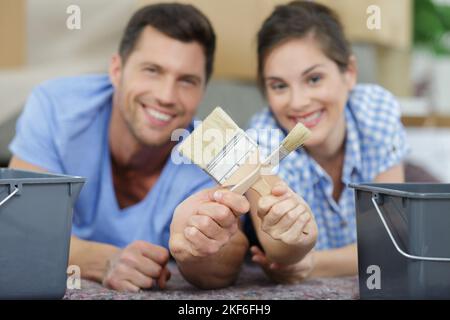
column 262, row 186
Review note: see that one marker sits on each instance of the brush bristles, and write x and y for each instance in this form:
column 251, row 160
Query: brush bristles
column 296, row 137
column 209, row 138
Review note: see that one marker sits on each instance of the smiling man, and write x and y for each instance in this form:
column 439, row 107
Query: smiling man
column 115, row 130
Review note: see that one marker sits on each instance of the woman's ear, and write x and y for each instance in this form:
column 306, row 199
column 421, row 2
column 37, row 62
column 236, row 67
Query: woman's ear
column 115, row 70
column 351, row 74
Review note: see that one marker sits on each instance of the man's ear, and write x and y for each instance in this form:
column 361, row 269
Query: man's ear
column 115, row 70
column 351, row 74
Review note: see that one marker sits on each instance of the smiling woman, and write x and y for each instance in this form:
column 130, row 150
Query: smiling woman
column 308, row 74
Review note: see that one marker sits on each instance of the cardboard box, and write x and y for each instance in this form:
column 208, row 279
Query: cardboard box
column 237, row 22
column 12, row 33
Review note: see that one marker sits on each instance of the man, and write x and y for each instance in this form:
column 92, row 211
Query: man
column 116, row 131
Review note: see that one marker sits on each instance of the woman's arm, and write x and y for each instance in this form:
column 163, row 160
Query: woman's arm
column 280, row 246
column 395, row 174
column 326, row 263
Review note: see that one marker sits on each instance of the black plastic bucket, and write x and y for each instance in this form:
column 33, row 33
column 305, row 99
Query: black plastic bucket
column 35, row 228
column 403, row 240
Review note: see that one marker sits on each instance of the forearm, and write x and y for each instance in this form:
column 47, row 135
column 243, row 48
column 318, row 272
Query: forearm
column 336, row 262
column 91, row 257
column 215, row 271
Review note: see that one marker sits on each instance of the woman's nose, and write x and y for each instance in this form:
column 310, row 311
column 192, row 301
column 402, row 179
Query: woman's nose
column 300, row 99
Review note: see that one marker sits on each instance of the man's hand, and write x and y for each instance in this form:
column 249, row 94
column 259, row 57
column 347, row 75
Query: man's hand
column 136, row 267
column 291, row 273
column 205, row 222
column 285, row 217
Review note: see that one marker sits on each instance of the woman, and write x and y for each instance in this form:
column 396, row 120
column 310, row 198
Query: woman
column 308, row 74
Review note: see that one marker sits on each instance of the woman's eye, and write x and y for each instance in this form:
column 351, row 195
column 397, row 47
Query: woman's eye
column 314, row 79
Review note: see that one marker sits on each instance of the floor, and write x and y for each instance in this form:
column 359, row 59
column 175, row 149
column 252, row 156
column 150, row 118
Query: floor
column 251, row 285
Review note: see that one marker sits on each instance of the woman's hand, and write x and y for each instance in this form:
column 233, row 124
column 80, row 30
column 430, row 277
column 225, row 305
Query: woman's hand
column 285, row 217
column 288, row 274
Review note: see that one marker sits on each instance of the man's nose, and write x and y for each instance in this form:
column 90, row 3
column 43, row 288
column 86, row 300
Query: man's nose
column 166, row 93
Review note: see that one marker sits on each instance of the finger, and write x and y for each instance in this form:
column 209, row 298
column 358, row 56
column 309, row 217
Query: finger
column 127, row 286
column 209, row 227
column 267, row 202
column 236, row 202
column 259, row 257
column 163, row 278
column 201, row 244
column 138, row 279
column 279, row 189
column 276, row 226
column 154, row 252
column 279, row 212
column 148, row 267
column 218, row 212
column 256, row 250
column 294, row 234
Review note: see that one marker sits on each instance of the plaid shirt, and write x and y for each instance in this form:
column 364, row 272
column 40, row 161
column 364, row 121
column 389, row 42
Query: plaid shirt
column 375, row 141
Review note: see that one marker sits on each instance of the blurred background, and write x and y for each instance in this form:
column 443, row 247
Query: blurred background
column 409, row 54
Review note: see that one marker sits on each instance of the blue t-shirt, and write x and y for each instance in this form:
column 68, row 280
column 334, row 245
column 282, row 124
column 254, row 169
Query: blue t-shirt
column 64, row 129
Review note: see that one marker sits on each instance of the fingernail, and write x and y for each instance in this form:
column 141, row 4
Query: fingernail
column 217, row 195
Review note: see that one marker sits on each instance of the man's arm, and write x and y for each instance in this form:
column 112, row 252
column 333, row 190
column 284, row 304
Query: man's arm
column 205, row 239
column 137, row 266
column 91, row 257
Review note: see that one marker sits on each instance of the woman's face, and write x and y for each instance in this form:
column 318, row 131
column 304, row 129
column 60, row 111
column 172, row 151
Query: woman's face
column 303, row 85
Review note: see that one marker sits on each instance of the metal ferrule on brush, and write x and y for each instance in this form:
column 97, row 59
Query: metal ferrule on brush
column 232, row 156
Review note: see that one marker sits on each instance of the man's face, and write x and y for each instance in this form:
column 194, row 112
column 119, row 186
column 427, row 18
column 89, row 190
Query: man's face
column 160, row 86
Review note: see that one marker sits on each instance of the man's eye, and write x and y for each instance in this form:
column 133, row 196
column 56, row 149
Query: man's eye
column 189, row 82
column 151, row 70
column 277, row 86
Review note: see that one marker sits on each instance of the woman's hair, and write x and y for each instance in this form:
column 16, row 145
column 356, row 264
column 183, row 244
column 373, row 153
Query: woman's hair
column 299, row 19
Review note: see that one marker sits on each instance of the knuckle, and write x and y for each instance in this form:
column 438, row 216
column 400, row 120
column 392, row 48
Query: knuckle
column 213, row 249
column 224, row 213
column 277, row 210
column 111, row 282
column 233, row 228
column 244, row 205
column 276, row 235
column 128, row 259
column 204, row 222
column 138, row 244
column 288, row 238
column 165, row 255
column 262, row 204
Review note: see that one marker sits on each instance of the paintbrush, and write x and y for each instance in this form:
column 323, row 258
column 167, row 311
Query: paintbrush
column 231, row 157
